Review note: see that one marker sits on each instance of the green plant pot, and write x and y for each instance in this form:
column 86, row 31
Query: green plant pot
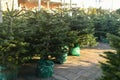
column 104, row 40
column 6, row 74
column 45, row 68
column 75, row 51
column 61, row 58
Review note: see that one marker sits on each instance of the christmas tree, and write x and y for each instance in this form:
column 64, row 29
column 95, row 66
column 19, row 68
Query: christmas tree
column 111, row 68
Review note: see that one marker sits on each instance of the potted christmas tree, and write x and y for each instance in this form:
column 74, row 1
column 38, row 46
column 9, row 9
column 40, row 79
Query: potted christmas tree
column 12, row 45
column 111, row 68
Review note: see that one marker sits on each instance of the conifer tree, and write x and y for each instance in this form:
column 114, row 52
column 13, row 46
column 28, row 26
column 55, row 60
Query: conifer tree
column 111, row 68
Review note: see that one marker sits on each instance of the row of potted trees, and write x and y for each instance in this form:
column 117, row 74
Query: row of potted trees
column 27, row 34
column 18, row 41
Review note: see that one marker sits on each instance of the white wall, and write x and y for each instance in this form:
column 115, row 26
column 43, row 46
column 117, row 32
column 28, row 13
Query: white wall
column 55, row 0
column 0, row 13
column 105, row 4
column 9, row 2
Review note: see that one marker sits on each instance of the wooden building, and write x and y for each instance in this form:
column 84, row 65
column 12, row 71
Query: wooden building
column 33, row 4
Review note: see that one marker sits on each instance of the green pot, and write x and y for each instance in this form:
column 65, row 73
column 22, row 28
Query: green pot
column 61, row 58
column 75, row 51
column 104, row 40
column 45, row 68
column 6, row 74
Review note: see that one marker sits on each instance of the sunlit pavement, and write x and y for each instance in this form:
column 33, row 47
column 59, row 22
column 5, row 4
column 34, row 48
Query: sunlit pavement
column 83, row 67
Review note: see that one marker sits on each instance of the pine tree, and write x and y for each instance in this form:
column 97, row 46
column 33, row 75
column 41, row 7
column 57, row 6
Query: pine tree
column 111, row 69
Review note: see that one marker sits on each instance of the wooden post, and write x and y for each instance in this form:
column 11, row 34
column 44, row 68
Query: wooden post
column 39, row 5
column 70, row 4
column 0, row 12
column 48, row 4
column 63, row 4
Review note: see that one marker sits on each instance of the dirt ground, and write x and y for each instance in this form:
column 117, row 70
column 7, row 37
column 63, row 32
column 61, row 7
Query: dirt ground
column 83, row 67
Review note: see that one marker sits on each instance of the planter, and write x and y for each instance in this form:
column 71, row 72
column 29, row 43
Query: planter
column 7, row 74
column 61, row 58
column 45, row 68
column 75, row 51
column 104, row 40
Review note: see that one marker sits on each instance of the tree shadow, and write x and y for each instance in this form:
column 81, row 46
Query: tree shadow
column 28, row 72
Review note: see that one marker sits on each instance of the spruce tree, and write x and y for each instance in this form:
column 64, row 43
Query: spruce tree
column 111, row 68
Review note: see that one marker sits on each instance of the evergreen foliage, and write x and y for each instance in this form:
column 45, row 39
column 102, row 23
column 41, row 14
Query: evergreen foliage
column 111, row 68
column 12, row 45
column 83, row 24
column 50, row 34
column 24, row 34
column 106, row 23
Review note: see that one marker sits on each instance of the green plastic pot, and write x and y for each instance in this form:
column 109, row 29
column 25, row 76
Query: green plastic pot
column 75, row 51
column 6, row 74
column 103, row 39
column 45, row 68
column 61, row 58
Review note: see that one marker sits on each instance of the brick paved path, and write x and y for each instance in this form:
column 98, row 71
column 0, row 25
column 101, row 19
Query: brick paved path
column 84, row 67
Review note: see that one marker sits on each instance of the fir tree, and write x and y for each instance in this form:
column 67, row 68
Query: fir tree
column 111, row 69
